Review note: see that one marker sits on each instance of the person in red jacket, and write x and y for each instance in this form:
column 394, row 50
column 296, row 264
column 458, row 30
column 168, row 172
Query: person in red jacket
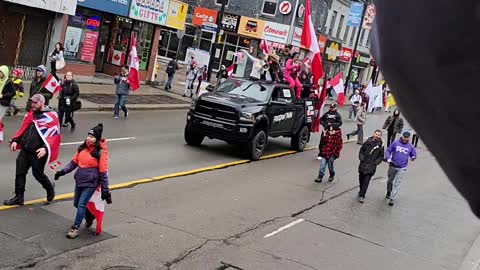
column 330, row 146
column 91, row 162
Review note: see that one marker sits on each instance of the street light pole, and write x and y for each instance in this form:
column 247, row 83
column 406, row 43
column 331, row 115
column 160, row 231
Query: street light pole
column 291, row 33
column 215, row 45
column 347, row 80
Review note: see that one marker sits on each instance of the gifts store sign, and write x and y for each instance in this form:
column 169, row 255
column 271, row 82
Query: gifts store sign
column 152, row 11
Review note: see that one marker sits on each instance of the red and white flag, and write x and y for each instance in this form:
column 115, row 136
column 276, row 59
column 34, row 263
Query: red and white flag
column 1, row 131
column 133, row 74
column 96, row 206
column 337, row 84
column 230, row 71
column 310, row 42
column 51, row 84
column 264, row 47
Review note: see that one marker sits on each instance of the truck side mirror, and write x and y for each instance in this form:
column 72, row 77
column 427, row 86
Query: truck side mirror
column 210, row 88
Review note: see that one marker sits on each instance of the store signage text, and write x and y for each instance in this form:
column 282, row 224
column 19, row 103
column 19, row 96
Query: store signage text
column 346, row 55
column 204, row 15
column 153, row 11
column 276, row 32
column 119, row 7
column 92, row 23
column 230, row 22
column 361, row 60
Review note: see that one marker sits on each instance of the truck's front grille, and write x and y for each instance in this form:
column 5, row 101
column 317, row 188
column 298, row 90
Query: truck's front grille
column 216, row 111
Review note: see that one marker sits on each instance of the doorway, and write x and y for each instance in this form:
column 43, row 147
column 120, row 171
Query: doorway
column 101, row 51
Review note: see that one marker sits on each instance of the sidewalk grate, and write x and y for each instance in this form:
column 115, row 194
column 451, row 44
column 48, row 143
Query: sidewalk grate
column 132, row 99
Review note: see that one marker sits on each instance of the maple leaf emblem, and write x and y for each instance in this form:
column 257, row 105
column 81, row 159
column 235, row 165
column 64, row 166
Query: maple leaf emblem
column 53, row 84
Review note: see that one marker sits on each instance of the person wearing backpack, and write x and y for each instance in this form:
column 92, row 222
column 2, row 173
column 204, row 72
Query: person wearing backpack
column 172, row 67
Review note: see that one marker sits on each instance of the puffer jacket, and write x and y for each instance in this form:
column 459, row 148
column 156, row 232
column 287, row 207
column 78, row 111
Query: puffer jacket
column 91, row 172
column 8, row 90
column 397, row 124
column 370, row 155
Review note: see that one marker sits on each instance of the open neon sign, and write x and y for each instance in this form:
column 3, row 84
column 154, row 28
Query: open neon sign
column 92, row 23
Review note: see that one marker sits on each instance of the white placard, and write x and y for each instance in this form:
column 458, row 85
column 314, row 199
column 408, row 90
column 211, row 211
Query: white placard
column 276, row 32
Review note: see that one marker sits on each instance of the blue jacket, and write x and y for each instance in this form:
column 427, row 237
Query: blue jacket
column 399, row 153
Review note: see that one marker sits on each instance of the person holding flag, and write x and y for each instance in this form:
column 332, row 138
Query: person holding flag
column 122, row 91
column 36, row 87
column 38, row 140
column 91, row 163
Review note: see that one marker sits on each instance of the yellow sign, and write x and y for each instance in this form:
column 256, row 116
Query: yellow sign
column 251, row 27
column 177, row 13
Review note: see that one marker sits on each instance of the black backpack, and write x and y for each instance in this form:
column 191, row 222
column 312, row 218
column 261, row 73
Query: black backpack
column 170, row 67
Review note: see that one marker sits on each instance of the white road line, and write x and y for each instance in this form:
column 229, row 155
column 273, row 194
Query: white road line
column 289, row 225
column 108, row 140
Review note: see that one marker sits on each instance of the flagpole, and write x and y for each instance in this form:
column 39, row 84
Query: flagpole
column 347, row 79
column 217, row 43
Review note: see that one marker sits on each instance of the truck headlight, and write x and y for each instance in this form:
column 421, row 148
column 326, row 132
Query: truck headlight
column 246, row 116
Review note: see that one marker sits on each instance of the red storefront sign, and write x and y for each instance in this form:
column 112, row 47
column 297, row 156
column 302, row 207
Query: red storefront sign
column 204, row 15
column 321, row 43
column 89, row 46
column 346, row 55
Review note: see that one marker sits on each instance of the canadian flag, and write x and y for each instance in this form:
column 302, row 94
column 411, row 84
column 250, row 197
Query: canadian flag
column 133, row 75
column 230, row 71
column 96, row 206
column 264, row 47
column 1, row 131
column 337, row 84
column 309, row 41
column 51, row 84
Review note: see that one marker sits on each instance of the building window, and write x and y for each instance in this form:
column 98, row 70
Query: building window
column 219, row 2
column 362, row 35
column 352, row 37
column 340, row 26
column 332, row 23
column 345, row 35
column 269, row 7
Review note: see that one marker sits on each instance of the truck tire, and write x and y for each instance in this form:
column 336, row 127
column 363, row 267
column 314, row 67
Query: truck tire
column 300, row 139
column 193, row 138
column 257, row 145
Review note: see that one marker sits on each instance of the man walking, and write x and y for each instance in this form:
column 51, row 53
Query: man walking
column 122, row 91
column 370, row 155
column 360, row 120
column 172, row 67
column 330, row 146
column 331, row 118
column 356, row 100
column 397, row 156
column 39, row 141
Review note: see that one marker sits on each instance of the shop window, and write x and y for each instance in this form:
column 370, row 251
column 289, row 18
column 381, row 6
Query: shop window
column 345, row 35
column 144, row 34
column 82, row 34
column 168, row 44
column 219, row 2
column 340, row 26
column 231, row 39
column 207, row 35
column 187, row 42
column 205, row 45
column 119, row 41
column 332, row 23
column 269, row 7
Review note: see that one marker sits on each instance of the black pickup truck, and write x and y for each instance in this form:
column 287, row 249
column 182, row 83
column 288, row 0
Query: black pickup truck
column 245, row 112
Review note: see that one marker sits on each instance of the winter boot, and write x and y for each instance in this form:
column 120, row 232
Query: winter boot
column 50, row 193
column 17, row 200
column 332, row 177
column 73, row 233
column 318, row 180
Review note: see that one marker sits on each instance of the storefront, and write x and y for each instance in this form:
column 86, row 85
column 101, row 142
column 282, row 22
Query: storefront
column 97, row 38
column 345, row 58
column 361, row 64
column 26, row 31
column 331, row 58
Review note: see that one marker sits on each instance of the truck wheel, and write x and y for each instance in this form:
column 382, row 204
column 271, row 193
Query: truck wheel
column 257, row 145
column 193, row 138
column 300, row 139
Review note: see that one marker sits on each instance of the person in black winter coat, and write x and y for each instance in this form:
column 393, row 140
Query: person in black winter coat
column 7, row 91
column 68, row 97
column 331, row 119
column 370, row 155
column 306, row 81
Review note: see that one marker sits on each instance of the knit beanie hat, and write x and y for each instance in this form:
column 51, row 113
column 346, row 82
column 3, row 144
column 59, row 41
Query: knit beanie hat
column 97, row 131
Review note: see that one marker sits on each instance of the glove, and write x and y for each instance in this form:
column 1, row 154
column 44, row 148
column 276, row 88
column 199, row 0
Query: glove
column 59, row 174
column 107, row 196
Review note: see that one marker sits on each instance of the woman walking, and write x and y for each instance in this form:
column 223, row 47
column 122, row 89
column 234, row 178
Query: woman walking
column 393, row 125
column 360, row 120
column 7, row 91
column 68, row 97
column 191, row 75
column 57, row 56
column 91, row 162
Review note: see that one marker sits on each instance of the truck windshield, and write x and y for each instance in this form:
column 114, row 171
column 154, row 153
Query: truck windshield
column 249, row 89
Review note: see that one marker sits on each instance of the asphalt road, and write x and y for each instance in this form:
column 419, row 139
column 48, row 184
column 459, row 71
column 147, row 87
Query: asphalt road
column 233, row 219
column 156, row 147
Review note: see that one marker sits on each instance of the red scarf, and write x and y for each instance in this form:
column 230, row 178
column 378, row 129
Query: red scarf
column 48, row 127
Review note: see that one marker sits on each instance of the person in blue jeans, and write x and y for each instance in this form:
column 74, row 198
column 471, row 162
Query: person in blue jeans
column 330, row 146
column 122, row 91
column 91, row 162
column 397, row 156
column 172, row 67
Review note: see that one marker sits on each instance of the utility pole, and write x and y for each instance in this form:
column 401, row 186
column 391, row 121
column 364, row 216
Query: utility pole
column 291, row 33
column 347, row 80
column 215, row 45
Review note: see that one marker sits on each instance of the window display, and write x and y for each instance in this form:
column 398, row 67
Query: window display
column 144, row 33
column 119, row 41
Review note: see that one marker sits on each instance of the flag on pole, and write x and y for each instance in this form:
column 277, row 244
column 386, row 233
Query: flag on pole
column 264, row 47
column 96, row 206
column 133, row 75
column 337, row 84
column 322, row 97
column 1, row 131
column 51, row 84
column 230, row 71
column 309, row 41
